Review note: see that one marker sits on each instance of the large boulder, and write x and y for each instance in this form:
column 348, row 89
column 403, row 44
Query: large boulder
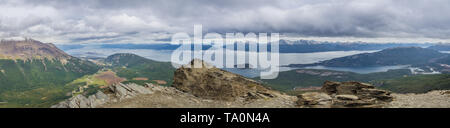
column 361, row 90
column 346, row 94
column 208, row 82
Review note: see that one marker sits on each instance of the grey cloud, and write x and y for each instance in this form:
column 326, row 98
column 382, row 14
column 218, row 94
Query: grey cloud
column 85, row 20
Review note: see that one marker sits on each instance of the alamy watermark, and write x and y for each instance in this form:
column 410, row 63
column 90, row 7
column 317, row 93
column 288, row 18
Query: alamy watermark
column 236, row 50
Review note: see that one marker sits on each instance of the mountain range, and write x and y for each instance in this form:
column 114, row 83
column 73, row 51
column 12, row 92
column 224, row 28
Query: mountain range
column 308, row 46
column 386, row 57
column 285, row 46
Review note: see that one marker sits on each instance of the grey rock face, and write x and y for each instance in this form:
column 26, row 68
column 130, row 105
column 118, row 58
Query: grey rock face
column 127, row 91
column 114, row 93
column 314, row 99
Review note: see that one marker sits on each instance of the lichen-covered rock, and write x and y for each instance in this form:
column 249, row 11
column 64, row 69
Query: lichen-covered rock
column 349, row 94
column 208, row 82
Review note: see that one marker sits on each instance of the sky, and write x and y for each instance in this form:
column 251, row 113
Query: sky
column 155, row 21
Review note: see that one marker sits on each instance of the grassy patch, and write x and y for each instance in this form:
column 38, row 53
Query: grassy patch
column 417, row 84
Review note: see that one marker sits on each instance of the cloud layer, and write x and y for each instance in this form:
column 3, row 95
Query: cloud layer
column 147, row 21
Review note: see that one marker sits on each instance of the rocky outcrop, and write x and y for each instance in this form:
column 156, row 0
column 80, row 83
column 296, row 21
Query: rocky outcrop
column 192, row 87
column 208, row 82
column 114, row 93
column 80, row 101
column 345, row 94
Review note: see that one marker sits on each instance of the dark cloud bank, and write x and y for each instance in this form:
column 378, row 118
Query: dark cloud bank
column 88, row 21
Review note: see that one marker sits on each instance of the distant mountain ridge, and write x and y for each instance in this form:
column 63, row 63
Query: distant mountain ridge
column 441, row 47
column 387, row 57
column 285, row 46
column 306, row 46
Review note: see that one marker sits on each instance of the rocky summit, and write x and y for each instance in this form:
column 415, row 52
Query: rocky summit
column 30, row 49
column 345, row 94
column 209, row 82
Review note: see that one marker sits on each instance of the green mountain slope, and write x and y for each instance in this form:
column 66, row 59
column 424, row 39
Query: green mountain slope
column 131, row 67
column 34, row 82
column 37, row 74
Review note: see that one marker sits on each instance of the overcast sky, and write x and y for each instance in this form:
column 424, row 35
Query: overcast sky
column 150, row 21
